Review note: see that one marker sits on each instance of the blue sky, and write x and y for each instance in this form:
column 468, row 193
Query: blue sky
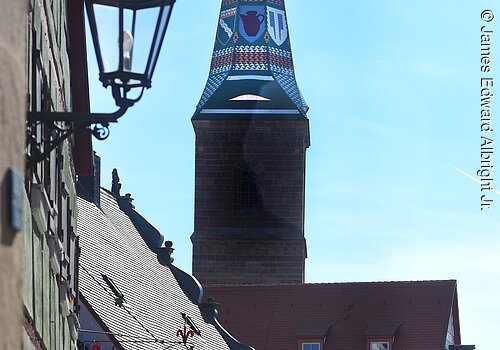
column 393, row 88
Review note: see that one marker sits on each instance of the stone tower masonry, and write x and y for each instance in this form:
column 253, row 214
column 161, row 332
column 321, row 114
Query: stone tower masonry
column 252, row 133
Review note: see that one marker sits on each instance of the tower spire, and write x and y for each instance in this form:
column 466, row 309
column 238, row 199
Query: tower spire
column 252, row 134
column 251, row 74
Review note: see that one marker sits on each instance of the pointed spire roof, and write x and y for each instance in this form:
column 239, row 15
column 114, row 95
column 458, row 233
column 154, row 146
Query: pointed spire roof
column 252, row 75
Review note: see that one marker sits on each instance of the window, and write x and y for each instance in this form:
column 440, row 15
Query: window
column 248, row 193
column 311, row 346
column 379, row 345
column 247, row 186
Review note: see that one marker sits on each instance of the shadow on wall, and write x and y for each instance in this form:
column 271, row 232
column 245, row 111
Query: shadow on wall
column 11, row 189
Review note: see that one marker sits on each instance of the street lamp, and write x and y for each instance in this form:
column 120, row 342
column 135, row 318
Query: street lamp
column 127, row 37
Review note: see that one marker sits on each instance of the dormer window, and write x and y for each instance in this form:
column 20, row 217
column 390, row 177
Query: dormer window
column 381, row 337
column 311, row 346
column 380, row 345
column 312, row 337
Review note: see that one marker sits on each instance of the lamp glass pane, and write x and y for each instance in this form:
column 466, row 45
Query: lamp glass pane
column 145, row 26
column 106, row 18
column 155, row 49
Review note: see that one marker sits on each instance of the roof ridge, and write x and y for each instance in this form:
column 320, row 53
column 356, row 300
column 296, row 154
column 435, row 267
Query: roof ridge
column 331, row 283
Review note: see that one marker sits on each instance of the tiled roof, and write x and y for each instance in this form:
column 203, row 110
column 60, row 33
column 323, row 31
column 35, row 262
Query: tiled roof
column 272, row 317
column 252, row 74
column 111, row 245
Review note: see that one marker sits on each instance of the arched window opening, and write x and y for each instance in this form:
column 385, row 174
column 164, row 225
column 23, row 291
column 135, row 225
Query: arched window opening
column 248, row 196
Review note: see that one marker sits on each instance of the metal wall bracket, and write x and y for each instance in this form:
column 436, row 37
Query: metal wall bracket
column 61, row 125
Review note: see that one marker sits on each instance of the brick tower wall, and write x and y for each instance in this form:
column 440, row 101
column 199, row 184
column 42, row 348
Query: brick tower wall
column 266, row 238
column 226, row 261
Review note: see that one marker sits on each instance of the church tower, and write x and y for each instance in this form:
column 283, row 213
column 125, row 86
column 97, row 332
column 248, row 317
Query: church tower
column 252, row 133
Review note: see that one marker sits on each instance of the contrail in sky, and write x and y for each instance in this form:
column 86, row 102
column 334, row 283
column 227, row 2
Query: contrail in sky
column 476, row 180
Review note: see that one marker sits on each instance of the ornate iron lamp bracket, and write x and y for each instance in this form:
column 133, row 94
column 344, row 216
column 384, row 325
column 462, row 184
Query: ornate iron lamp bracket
column 128, row 73
column 61, row 125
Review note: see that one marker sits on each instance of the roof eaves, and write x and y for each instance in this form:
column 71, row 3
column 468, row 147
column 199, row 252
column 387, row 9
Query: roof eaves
column 189, row 284
column 456, row 317
column 209, row 310
column 193, row 289
column 451, row 285
column 233, row 115
column 150, row 234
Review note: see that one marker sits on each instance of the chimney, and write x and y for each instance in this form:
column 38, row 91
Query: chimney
column 91, row 185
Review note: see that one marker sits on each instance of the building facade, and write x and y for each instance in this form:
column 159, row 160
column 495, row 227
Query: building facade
column 337, row 316
column 39, row 289
column 12, row 136
column 252, row 134
column 55, row 73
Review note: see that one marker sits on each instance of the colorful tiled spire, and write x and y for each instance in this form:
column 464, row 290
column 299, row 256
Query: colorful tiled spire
column 251, row 75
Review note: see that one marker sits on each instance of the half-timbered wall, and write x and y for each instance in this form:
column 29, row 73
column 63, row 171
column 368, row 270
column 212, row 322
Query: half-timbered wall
column 51, row 245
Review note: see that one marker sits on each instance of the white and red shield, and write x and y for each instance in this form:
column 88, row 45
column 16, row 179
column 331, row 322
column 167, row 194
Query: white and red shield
column 276, row 25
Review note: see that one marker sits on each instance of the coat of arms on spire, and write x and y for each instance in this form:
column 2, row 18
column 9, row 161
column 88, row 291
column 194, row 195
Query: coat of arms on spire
column 251, row 22
column 252, row 68
column 227, row 25
column 276, row 24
